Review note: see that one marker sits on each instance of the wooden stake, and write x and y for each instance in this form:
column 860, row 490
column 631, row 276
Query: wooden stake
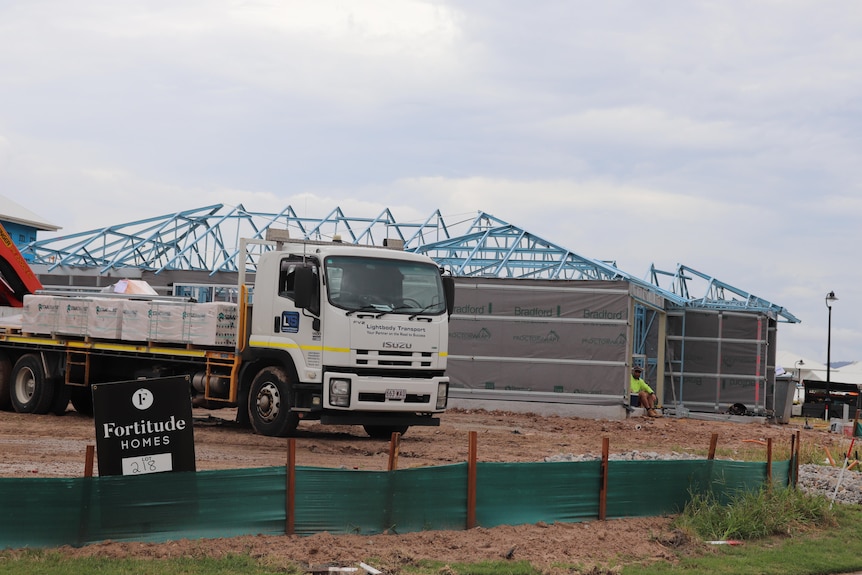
column 769, row 461
column 603, row 490
column 796, row 459
column 394, row 447
column 471, row 480
column 790, row 472
column 290, row 494
column 88, row 461
column 713, row 442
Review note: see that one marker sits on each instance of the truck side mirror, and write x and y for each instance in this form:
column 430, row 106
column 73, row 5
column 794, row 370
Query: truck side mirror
column 306, row 292
column 449, row 290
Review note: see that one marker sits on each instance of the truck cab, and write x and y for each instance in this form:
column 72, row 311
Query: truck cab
column 347, row 335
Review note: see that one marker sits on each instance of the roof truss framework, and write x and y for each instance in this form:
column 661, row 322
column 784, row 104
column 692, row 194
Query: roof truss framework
column 685, row 282
column 492, row 247
column 208, row 238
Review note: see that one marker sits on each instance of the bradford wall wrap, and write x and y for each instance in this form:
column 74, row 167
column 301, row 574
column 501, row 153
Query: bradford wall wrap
column 543, row 336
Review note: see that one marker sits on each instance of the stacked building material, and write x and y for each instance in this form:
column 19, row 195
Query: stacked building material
column 204, row 324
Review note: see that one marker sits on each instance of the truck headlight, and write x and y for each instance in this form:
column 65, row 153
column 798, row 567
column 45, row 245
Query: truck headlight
column 442, row 395
column 339, row 392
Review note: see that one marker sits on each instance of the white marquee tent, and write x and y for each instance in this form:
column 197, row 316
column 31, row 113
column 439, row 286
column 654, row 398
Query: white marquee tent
column 811, row 370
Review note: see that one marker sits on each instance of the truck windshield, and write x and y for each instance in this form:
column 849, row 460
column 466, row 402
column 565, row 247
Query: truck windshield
column 384, row 285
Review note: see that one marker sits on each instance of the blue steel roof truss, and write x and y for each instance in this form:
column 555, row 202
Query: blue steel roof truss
column 207, row 239
column 717, row 295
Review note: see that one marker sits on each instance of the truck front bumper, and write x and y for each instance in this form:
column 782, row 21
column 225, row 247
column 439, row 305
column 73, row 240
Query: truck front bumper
column 351, row 392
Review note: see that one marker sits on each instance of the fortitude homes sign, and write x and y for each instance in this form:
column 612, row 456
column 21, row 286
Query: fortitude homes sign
column 144, row 426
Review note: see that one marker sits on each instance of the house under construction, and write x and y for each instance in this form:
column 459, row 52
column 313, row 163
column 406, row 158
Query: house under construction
column 535, row 323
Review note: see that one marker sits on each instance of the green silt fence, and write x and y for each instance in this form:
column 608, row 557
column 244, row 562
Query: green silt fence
column 518, row 493
column 344, row 501
column 208, row 504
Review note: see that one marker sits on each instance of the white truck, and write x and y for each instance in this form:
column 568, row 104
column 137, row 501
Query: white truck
column 343, row 334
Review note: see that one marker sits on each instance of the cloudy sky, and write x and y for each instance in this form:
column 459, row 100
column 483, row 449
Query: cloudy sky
column 725, row 136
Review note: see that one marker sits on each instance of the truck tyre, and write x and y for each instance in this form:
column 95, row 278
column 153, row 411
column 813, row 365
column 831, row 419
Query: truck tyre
column 269, row 403
column 5, row 384
column 82, row 400
column 32, row 392
column 384, row 431
column 60, row 403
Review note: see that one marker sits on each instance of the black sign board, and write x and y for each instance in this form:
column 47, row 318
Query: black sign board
column 144, row 426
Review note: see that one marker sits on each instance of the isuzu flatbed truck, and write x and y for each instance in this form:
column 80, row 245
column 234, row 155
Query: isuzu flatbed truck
column 339, row 333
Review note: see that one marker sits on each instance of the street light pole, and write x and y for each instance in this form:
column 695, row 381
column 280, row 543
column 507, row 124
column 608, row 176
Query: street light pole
column 830, row 298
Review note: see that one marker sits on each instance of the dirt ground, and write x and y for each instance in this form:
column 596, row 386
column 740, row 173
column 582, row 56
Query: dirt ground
column 52, row 446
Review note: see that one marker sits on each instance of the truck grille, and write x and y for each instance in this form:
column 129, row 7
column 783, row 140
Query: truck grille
column 381, row 398
column 400, row 359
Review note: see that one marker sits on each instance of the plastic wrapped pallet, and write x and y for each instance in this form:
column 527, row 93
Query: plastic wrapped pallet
column 167, row 323
column 213, row 323
column 135, row 325
column 72, row 314
column 40, row 314
column 105, row 318
column 158, row 321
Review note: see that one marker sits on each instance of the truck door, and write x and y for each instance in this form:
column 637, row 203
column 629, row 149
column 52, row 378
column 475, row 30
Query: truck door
column 296, row 310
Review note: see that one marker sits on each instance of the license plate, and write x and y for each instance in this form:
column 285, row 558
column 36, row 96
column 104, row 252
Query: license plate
column 396, row 393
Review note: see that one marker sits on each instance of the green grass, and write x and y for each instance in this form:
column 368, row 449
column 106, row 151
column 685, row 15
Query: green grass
column 49, row 562
column 783, row 531
column 480, row 568
column 755, row 514
column 809, row 452
column 817, row 550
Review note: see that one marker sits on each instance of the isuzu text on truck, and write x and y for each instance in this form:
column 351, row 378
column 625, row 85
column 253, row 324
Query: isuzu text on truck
column 343, row 334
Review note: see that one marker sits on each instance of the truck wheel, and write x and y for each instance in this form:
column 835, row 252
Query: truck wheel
column 269, row 403
column 60, row 403
column 32, row 392
column 82, row 400
column 5, row 384
column 384, row 431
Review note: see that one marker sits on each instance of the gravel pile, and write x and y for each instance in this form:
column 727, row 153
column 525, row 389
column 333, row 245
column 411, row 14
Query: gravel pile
column 625, row 456
column 822, row 479
column 813, row 479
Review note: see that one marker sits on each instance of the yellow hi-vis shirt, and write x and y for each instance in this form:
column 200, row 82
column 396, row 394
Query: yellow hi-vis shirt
column 638, row 385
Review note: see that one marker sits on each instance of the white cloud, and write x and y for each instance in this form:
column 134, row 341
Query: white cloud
column 639, row 127
column 531, row 198
column 331, row 50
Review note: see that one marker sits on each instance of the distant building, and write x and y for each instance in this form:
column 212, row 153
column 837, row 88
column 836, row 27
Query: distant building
column 22, row 224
